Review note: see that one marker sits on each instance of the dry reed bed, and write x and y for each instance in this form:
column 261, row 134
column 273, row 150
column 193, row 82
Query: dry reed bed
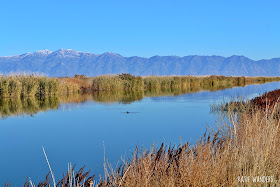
column 130, row 82
column 267, row 100
column 30, row 86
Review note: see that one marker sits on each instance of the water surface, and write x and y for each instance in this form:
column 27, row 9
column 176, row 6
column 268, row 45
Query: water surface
column 74, row 130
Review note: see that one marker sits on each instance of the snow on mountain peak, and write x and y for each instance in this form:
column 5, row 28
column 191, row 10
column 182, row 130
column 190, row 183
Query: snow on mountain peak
column 68, row 52
column 110, row 54
column 44, row 52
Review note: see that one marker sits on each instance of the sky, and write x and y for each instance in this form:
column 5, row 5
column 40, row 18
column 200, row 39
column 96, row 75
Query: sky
column 142, row 28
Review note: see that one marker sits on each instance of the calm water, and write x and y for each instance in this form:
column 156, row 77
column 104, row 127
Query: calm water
column 75, row 132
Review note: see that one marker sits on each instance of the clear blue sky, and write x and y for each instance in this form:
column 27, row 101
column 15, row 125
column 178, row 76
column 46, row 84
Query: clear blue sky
column 142, row 28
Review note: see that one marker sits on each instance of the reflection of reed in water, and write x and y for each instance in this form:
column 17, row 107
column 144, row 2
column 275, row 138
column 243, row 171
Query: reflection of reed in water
column 32, row 105
column 26, row 106
column 118, row 96
column 104, row 97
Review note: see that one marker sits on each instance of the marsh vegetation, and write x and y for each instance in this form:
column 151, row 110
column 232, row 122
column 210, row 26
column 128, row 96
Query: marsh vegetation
column 165, row 83
column 28, row 95
column 20, row 86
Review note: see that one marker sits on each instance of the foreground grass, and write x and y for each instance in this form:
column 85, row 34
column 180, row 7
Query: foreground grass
column 245, row 143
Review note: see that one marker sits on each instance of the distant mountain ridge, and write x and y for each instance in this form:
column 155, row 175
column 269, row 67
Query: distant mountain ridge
column 67, row 62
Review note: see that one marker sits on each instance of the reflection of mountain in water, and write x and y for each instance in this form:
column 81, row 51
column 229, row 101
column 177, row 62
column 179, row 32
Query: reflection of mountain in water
column 30, row 106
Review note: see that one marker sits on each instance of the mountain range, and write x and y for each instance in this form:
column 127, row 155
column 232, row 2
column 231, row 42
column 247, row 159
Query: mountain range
column 67, row 62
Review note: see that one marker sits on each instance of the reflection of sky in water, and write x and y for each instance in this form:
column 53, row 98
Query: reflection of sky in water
column 75, row 133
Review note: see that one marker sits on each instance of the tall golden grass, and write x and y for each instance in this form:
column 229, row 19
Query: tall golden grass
column 30, row 86
column 117, row 82
column 130, row 82
column 38, row 85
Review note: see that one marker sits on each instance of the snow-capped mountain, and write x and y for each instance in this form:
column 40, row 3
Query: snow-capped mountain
column 67, row 62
